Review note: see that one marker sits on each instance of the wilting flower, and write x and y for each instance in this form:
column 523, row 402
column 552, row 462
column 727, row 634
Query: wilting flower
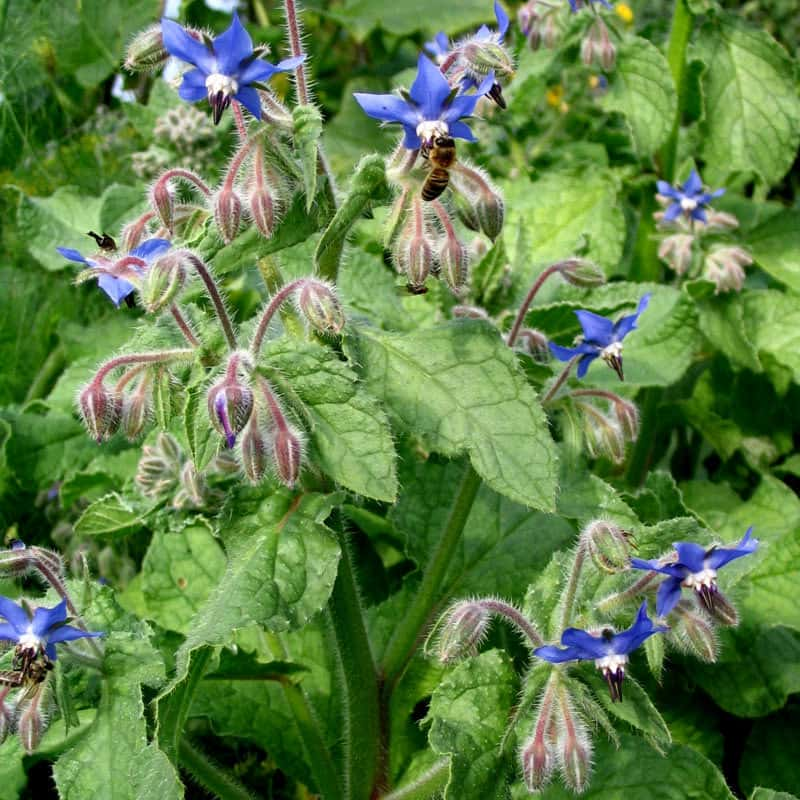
column 576, row 5
column 696, row 568
column 113, row 273
column 438, row 47
column 225, row 69
column 688, row 199
column 601, row 338
column 429, row 110
column 41, row 632
column 609, row 650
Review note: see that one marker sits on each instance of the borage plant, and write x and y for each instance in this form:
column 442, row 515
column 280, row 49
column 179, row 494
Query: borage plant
column 353, row 417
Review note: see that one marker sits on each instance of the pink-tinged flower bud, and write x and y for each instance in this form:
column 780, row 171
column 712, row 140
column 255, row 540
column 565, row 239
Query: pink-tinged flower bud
column 720, row 220
column 462, row 629
column 603, row 435
column 606, row 50
column 453, row 263
column 146, row 51
column 550, row 31
column 136, row 411
column 319, row 305
column 262, row 209
column 582, row 273
column 163, row 282
column 135, row 232
column 608, row 545
column 193, row 485
column 534, row 343
column 725, row 267
column 100, row 410
column 676, row 251
column 287, row 453
column 470, row 312
column 256, row 447
column 230, row 401
column 588, row 48
column 162, row 199
column 538, row 753
column 31, row 721
column 227, row 213
column 723, row 611
column 574, row 745
column 695, row 632
column 627, row 415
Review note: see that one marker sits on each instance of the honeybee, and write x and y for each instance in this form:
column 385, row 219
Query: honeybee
column 104, row 242
column 442, row 156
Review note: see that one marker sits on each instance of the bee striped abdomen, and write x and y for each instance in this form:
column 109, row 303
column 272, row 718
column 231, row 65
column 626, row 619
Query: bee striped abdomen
column 435, row 183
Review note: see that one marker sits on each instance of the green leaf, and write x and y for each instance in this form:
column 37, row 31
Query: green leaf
column 770, row 794
column 282, row 563
column 109, row 515
column 468, row 715
column 459, row 388
column 178, row 573
column 770, row 755
column 203, row 440
column 752, row 111
column 773, row 325
column 307, row 131
column 643, row 92
column 245, row 667
column 775, row 246
column 349, row 434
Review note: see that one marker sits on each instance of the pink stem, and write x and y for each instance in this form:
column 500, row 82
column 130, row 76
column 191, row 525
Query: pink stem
column 188, row 176
column 140, row 358
column 269, row 313
column 526, row 303
column 184, row 326
column 296, row 46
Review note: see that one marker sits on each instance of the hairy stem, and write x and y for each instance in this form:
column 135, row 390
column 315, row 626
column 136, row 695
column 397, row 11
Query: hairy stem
column 241, row 126
column 187, row 175
column 427, row 785
column 141, row 358
column 48, row 373
column 571, row 590
column 184, row 326
column 218, row 781
column 269, row 312
column 515, row 618
column 553, row 390
column 216, row 298
column 526, row 303
column 411, row 627
column 633, row 591
column 296, row 47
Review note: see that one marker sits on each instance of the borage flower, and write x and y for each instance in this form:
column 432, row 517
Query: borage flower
column 601, row 338
column 576, row 5
column 38, row 634
column 484, row 53
column 609, row 650
column 429, row 110
column 438, row 47
column 225, row 69
column 695, row 568
column 112, row 273
column 688, row 199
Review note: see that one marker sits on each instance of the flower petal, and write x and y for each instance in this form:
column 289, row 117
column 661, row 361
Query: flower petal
column 583, row 364
column 386, row 107
column 502, row 19
column 116, row 288
column 462, row 106
column 691, row 555
column 667, row 190
column 72, row 255
column 673, row 570
column 460, row 130
column 721, row 556
column 45, row 618
column 178, row 43
column 411, row 140
column 256, row 70
column 596, row 329
column 672, row 213
column 430, row 88
column 580, row 641
column 193, row 86
column 693, row 184
column 563, row 353
column 14, row 614
column 555, row 655
column 151, row 248
column 288, row 64
column 626, row 324
column 232, row 47
column 8, row 633
column 66, row 633
column 250, row 99
column 642, row 628
column 668, row 595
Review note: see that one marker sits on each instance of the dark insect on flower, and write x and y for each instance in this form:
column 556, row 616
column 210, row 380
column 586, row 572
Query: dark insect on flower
column 104, row 242
column 601, row 338
column 430, row 109
column 688, row 199
column 609, row 650
column 225, row 69
column 695, row 568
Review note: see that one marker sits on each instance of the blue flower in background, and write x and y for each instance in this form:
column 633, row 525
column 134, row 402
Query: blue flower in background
column 438, row 47
column 115, row 286
column 484, row 34
column 696, row 568
column 575, row 5
column 40, row 633
column 609, row 650
column 688, row 199
column 601, row 338
column 429, row 110
column 225, row 69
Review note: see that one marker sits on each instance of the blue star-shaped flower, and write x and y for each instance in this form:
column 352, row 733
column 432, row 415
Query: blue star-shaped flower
column 431, row 108
column 225, row 69
column 609, row 650
column 696, row 568
column 117, row 288
column 688, row 199
column 575, row 5
column 40, row 633
column 439, row 46
column 601, row 338
column 484, row 34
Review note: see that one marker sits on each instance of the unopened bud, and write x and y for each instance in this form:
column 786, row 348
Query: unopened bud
column 606, row 51
column 262, row 209
column 136, row 411
column 288, row 454
column 628, row 418
column 162, row 199
column 490, row 209
column 720, row 220
column 470, row 312
column 695, row 632
column 588, row 47
column 463, row 627
column 608, row 545
column 163, row 282
column 146, row 51
column 603, row 435
column 465, row 210
column 414, row 256
column 31, row 722
column 582, row 272
column 574, row 746
column 6, row 714
column 230, row 402
column 453, row 262
column 725, row 267
column 549, row 31
column 479, row 57
column 676, row 251
column 319, row 305
column 538, row 753
column 534, row 343
column 134, row 232
column 227, row 213
column 16, row 561
column 723, row 612
column 255, row 450
column 100, row 410
column 193, row 484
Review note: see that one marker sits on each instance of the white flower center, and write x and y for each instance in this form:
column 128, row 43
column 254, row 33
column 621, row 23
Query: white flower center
column 688, row 204
column 29, row 641
column 614, row 350
column 216, row 83
column 706, row 577
column 611, row 663
column 428, row 130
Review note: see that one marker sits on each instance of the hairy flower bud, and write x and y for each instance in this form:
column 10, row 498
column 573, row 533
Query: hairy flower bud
column 491, row 211
column 146, row 51
column 695, row 632
column 261, row 205
column 227, row 213
column 230, row 401
column 6, row 714
column 453, row 262
column 256, row 447
column 574, row 745
column 538, row 753
column 534, row 343
column 582, row 273
column 627, row 417
column 193, row 486
column 598, row 45
column 608, row 545
column 31, row 720
column 604, row 436
column 470, row 312
column 725, row 267
column 163, row 282
column 135, row 232
column 479, row 57
column 319, row 305
column 676, row 251
column 100, row 410
column 287, row 449
column 720, row 220
column 136, row 410
column 462, row 628
column 162, row 199
column 723, row 612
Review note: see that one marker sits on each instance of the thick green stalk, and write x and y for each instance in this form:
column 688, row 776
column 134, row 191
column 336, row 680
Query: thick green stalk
column 359, row 681
column 642, row 453
column 427, row 785
column 412, row 625
column 48, row 373
column 210, row 776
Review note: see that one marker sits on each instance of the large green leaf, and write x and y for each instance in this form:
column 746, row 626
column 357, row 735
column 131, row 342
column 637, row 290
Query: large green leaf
column 349, row 434
column 752, row 111
column 775, row 245
column 459, row 388
column 771, row 754
column 773, row 325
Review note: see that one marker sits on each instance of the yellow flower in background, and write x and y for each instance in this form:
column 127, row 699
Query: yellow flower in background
column 624, row 12
column 554, row 96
